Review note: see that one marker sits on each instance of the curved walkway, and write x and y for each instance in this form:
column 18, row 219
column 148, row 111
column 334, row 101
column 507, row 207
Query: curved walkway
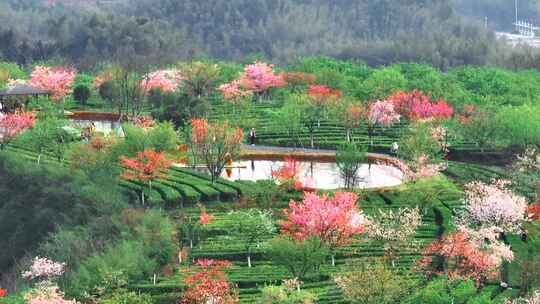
column 259, row 151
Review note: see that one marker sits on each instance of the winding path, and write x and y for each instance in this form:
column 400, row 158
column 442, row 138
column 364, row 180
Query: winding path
column 301, row 153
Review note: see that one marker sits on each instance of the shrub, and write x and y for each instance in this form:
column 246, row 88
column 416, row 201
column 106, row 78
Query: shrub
column 81, row 93
column 443, row 290
column 111, row 269
column 300, row 258
column 285, row 295
column 124, row 297
column 373, row 283
column 519, row 125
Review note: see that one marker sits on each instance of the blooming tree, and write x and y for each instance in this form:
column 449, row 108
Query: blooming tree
column 489, row 205
column 209, row 285
column 440, row 135
column 351, row 118
column 3, row 293
column 260, row 77
column 164, row 80
column 381, row 113
column 533, row 212
column 57, row 81
column 467, row 253
column 323, row 94
column 529, row 161
column 287, row 175
column 44, row 269
column 394, row 229
column 418, row 168
column 417, row 106
column 205, row 218
column 11, row 125
column 146, row 167
column 215, row 144
column 45, row 290
column 335, row 220
column 234, row 92
column 298, row 80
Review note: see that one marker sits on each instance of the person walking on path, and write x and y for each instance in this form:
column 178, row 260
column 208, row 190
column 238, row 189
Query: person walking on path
column 252, row 136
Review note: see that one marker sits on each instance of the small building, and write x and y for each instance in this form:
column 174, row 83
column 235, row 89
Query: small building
column 18, row 96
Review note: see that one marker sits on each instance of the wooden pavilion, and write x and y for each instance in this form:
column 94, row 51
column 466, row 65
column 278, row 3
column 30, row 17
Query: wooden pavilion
column 18, row 96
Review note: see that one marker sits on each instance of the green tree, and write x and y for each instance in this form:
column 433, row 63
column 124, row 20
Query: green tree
column 250, row 227
column 349, row 159
column 81, row 93
column 384, row 82
column 299, row 258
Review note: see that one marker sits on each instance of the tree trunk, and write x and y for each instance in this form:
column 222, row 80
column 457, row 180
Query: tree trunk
column 142, row 197
column 39, row 159
column 333, row 255
column 348, row 135
column 249, row 260
column 312, row 140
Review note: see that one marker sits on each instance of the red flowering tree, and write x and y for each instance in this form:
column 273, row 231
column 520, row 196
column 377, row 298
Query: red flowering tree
column 209, row 285
column 323, row 94
column 11, row 125
column 260, row 77
column 57, row 81
column 146, row 167
column 351, row 118
column 3, row 293
column 298, row 80
column 287, row 175
column 416, row 105
column 534, row 212
column 215, row 144
column 335, row 220
column 466, row 254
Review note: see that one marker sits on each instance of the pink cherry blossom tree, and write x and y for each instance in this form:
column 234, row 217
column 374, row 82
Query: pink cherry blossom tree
column 260, row 77
column 45, row 269
column 11, row 125
column 234, row 92
column 164, row 80
column 493, row 205
column 381, row 113
column 56, row 80
column 335, row 220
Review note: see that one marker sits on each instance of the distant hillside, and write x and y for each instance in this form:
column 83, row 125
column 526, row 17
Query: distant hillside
column 376, row 31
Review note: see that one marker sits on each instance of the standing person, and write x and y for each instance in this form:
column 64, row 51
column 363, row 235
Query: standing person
column 394, row 149
column 252, row 136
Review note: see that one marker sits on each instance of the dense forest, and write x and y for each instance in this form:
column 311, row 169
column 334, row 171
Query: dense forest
column 443, row 33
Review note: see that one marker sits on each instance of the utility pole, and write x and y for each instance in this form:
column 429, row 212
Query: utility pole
column 516, row 3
